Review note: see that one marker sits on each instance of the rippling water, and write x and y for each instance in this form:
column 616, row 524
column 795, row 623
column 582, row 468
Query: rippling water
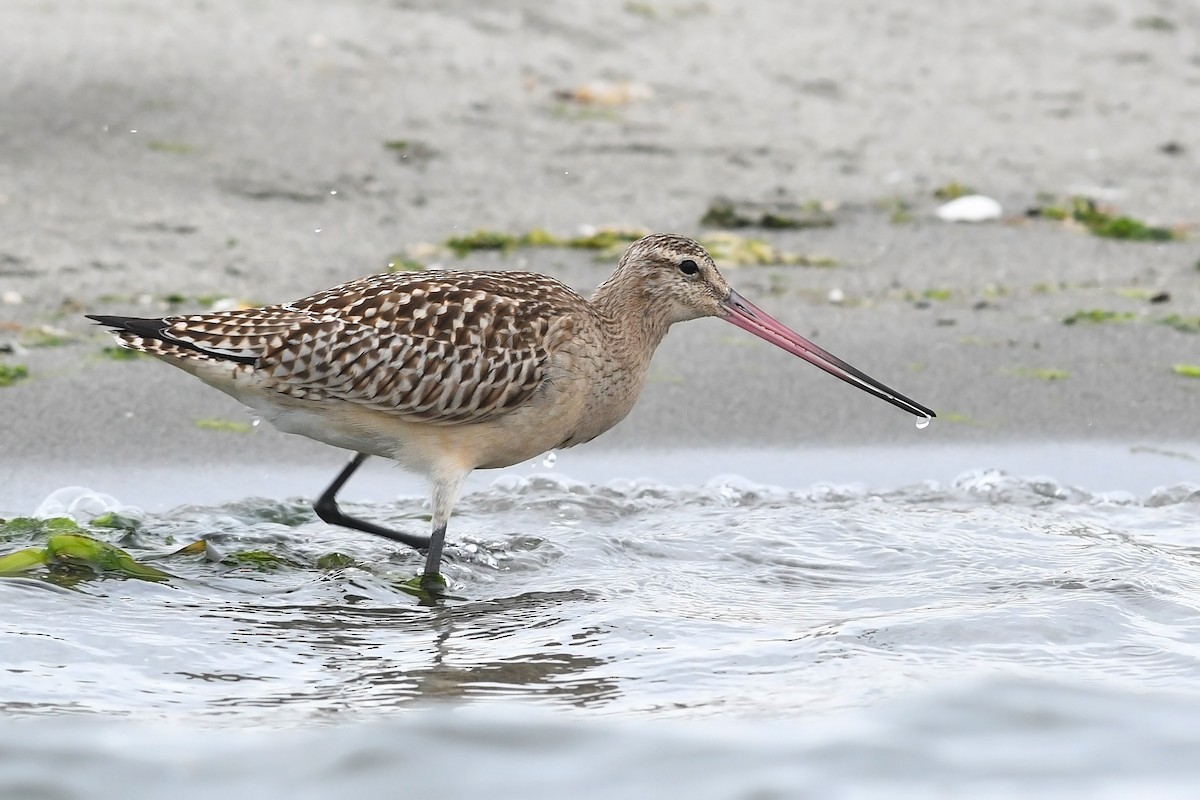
column 987, row 634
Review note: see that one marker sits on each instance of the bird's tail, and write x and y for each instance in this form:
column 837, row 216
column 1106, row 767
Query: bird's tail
column 154, row 336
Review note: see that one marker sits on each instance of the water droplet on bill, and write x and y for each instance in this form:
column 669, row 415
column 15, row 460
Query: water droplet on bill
column 923, row 423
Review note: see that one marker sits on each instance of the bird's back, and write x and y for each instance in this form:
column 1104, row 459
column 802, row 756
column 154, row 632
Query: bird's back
column 434, row 347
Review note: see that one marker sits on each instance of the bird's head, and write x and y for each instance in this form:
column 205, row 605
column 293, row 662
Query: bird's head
column 676, row 277
column 673, row 279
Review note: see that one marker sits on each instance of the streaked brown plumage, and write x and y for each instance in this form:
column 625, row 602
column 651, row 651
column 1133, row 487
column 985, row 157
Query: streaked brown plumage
column 433, row 347
column 446, row 372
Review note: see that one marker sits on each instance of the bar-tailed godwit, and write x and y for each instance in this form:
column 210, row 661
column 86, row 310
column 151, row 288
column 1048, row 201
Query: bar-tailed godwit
column 447, row 372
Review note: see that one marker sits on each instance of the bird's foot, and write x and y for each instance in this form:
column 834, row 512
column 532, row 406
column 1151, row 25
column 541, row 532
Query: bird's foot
column 429, row 588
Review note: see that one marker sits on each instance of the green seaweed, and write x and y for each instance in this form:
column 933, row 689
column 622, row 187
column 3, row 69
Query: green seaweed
column 1129, row 228
column 118, row 353
column 196, row 548
column 76, row 549
column 952, row 191
column 69, row 549
column 898, row 209
column 22, row 560
column 36, row 528
column 1098, row 316
column 19, row 526
column 729, row 249
column 290, row 513
column 261, row 560
column 10, row 374
column 481, row 240
column 722, row 213
column 606, row 238
column 1181, row 323
column 599, row 239
column 941, row 295
column 1186, row 370
column 116, row 521
column 540, row 237
column 334, row 560
column 403, row 263
column 1101, row 222
column 428, row 589
column 227, row 425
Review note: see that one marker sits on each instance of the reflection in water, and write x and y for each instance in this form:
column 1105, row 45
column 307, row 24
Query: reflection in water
column 363, row 657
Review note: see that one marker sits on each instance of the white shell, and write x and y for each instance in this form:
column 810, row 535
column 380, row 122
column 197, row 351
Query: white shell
column 971, row 208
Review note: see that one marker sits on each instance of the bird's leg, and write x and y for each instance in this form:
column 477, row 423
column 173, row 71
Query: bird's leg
column 327, row 509
column 445, row 492
column 431, row 579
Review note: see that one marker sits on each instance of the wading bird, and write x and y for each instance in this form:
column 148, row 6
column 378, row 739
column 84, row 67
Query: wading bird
column 447, row 372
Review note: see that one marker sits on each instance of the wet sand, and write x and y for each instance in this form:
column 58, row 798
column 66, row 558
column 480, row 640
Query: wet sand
column 222, row 151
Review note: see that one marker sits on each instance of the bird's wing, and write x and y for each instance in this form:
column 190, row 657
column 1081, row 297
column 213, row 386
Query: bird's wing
column 435, row 347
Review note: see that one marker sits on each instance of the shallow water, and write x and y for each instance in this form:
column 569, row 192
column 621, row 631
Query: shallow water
column 988, row 633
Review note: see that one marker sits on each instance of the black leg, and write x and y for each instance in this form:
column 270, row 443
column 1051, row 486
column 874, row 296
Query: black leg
column 432, row 581
column 327, row 509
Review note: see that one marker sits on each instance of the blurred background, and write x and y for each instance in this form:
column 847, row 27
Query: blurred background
column 162, row 157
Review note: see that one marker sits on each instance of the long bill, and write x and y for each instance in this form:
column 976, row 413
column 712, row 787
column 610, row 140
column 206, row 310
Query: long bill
column 750, row 317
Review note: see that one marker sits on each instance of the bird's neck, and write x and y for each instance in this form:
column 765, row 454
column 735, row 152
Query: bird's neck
column 634, row 324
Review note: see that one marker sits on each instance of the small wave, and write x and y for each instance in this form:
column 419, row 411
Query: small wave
column 82, row 504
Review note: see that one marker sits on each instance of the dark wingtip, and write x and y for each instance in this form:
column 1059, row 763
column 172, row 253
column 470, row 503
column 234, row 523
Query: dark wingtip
column 156, row 329
column 146, row 328
column 112, row 322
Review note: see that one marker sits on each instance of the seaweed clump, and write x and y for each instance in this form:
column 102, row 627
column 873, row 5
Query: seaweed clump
column 1103, row 222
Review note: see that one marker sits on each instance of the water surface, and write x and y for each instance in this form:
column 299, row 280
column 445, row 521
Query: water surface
column 989, row 633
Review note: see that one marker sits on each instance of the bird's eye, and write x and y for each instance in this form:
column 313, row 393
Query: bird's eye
column 688, row 267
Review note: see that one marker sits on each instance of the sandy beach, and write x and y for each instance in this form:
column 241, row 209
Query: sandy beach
column 158, row 158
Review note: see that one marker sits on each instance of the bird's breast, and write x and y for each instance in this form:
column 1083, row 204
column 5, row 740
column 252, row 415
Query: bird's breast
column 602, row 388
